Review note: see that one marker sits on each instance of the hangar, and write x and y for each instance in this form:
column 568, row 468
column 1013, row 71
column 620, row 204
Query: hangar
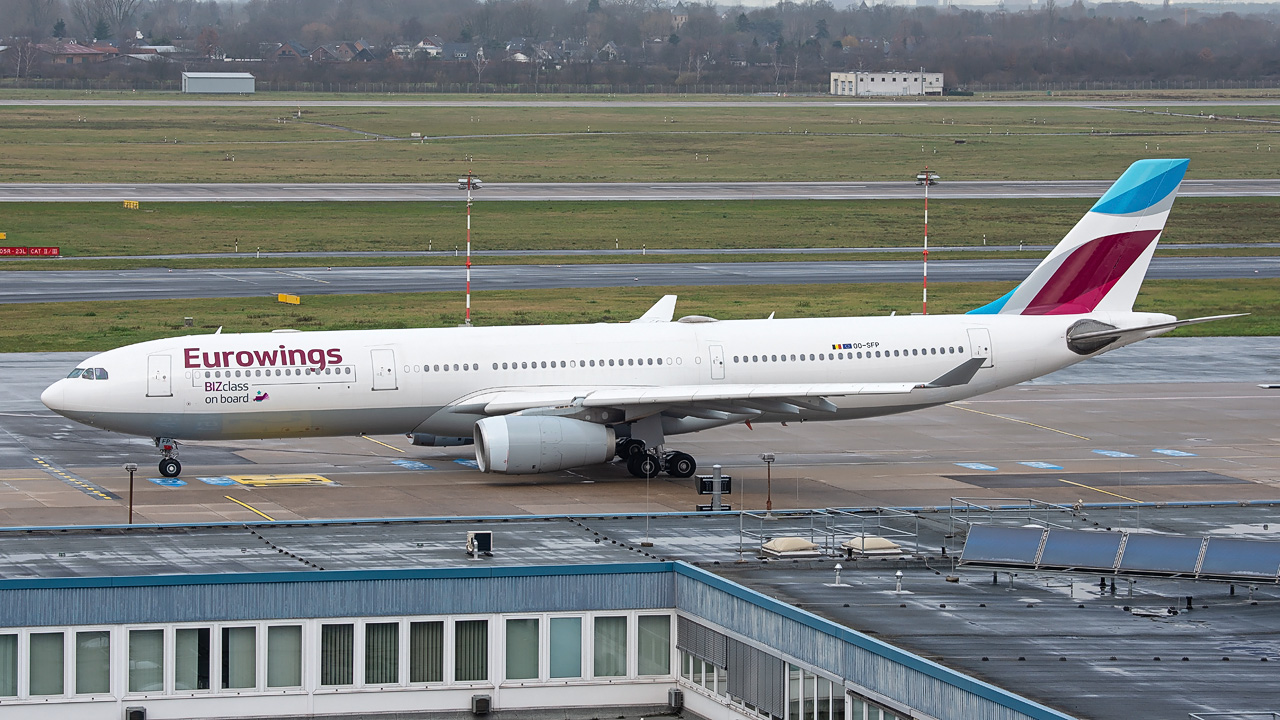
column 229, row 83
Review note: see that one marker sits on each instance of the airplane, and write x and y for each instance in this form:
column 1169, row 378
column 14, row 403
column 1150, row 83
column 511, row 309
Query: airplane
column 535, row 399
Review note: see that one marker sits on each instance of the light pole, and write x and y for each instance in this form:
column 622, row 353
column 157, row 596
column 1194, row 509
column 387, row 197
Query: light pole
column 768, row 503
column 131, row 468
column 926, row 178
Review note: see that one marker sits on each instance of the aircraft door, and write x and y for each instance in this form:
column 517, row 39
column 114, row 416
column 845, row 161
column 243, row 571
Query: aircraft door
column 980, row 346
column 159, row 383
column 717, row 362
column 384, row 369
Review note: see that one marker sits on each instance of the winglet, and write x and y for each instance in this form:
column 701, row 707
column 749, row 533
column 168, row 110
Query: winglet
column 662, row 311
column 959, row 375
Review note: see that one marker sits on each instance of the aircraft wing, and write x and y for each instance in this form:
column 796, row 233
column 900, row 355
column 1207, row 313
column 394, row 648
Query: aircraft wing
column 731, row 399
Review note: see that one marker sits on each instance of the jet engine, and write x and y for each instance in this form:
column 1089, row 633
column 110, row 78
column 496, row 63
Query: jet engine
column 527, row 444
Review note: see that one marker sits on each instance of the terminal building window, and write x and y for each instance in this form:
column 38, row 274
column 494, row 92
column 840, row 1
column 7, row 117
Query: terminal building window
column 284, row 656
column 654, row 644
column 146, row 661
column 337, row 654
column 46, row 663
column 191, row 659
column 813, row 697
column 522, row 649
column 8, row 665
column 93, row 662
column 471, row 650
column 426, row 652
column 566, row 647
column 382, row 653
column 239, row 658
column 610, row 646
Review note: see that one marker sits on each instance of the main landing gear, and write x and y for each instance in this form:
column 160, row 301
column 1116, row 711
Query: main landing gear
column 643, row 462
column 169, row 465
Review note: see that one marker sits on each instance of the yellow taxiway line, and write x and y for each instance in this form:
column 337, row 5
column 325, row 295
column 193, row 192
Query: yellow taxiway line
column 393, row 447
column 248, row 507
column 1024, row 422
column 1104, row 492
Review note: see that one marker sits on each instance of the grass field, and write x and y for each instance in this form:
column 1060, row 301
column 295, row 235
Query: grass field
column 108, row 324
column 614, row 144
column 84, row 230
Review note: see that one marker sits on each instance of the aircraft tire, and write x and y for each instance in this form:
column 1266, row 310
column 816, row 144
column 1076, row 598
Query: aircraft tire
column 630, row 447
column 644, row 465
column 170, row 468
column 681, row 465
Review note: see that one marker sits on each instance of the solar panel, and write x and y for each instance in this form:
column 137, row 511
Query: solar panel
column 1241, row 558
column 1160, row 554
column 1002, row 545
column 1080, row 549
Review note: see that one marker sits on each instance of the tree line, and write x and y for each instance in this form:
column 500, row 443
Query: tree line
column 641, row 42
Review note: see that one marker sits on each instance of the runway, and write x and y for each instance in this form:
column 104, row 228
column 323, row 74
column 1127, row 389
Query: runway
column 28, row 286
column 614, row 192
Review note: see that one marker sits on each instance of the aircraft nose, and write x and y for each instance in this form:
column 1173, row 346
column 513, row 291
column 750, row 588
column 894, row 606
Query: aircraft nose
column 52, row 397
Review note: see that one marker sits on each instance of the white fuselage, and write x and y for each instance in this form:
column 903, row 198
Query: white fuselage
column 292, row 384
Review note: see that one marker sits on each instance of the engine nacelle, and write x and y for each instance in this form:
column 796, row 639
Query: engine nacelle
column 429, row 440
column 523, row 445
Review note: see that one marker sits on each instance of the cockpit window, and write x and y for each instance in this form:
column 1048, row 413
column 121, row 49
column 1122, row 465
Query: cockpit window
column 100, row 373
column 76, row 373
column 87, row 374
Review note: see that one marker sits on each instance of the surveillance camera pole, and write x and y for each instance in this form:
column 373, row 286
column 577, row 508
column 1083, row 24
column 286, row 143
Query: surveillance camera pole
column 768, row 503
column 131, row 468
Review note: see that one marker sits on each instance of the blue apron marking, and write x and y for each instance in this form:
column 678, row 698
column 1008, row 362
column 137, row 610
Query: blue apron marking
column 1041, row 465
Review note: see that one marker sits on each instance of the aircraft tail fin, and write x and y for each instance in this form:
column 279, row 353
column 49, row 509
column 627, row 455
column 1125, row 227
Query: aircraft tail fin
column 1101, row 263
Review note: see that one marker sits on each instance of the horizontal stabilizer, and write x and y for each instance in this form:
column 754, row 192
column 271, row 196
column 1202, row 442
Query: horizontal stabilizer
column 1145, row 329
column 959, row 375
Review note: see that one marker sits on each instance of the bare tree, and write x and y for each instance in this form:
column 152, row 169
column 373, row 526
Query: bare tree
column 116, row 13
column 479, row 62
column 22, row 55
column 40, row 14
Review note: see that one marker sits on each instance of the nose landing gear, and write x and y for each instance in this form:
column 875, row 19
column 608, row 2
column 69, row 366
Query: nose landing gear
column 169, row 465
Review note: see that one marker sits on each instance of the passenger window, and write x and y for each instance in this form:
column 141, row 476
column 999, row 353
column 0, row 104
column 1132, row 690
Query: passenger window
column 810, row 356
column 793, row 358
column 735, row 358
column 877, row 353
column 455, row 367
column 593, row 363
column 650, row 361
column 755, row 358
column 610, row 362
column 859, row 355
column 348, row 371
column 822, row 356
column 914, row 351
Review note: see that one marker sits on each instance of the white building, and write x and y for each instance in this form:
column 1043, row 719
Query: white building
column 215, row 82
column 891, row 82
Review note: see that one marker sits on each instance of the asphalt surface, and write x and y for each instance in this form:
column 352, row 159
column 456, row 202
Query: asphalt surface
column 763, row 101
column 439, row 192
column 25, row 286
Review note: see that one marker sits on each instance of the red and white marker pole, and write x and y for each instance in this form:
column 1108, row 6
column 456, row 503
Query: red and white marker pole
column 924, row 301
column 469, row 247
